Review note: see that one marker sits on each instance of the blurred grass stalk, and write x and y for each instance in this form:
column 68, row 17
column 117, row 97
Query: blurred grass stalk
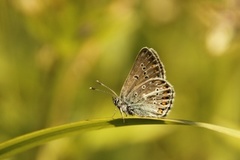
column 25, row 142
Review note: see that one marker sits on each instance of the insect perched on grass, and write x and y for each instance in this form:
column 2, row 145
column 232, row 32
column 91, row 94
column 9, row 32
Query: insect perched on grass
column 145, row 92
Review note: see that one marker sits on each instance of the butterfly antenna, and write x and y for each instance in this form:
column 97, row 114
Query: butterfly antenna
column 107, row 88
column 96, row 89
column 112, row 93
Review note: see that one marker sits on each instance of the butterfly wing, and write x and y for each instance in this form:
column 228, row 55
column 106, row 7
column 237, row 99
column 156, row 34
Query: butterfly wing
column 147, row 65
column 152, row 98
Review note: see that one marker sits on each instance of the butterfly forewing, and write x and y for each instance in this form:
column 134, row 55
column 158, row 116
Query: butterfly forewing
column 147, row 65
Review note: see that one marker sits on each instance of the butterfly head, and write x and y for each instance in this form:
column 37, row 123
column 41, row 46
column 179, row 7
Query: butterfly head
column 117, row 102
column 121, row 105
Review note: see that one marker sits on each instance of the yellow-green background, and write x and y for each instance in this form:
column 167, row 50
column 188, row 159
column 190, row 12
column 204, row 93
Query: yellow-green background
column 52, row 51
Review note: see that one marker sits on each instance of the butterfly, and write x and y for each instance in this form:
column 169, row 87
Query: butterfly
column 145, row 92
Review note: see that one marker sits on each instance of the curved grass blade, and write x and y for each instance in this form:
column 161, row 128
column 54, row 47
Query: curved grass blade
column 25, row 142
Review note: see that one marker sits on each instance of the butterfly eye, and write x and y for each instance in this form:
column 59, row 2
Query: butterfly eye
column 157, row 89
column 115, row 101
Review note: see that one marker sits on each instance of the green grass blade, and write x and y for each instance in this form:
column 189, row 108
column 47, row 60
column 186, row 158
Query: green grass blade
column 25, row 142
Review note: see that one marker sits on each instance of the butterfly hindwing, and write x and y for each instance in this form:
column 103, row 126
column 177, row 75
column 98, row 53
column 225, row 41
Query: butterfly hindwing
column 152, row 98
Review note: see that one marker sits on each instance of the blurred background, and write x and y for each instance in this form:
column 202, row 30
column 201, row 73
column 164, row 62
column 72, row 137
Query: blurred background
column 51, row 52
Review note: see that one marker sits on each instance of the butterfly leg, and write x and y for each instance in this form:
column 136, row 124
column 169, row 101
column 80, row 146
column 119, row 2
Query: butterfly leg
column 122, row 115
column 114, row 113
